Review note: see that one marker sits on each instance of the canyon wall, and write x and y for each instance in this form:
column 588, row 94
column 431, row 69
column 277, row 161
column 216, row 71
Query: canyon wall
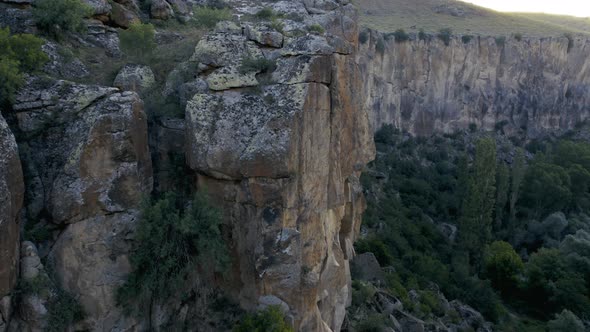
column 279, row 146
column 283, row 154
column 527, row 86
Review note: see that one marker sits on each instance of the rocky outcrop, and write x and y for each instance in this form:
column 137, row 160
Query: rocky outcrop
column 281, row 145
column 11, row 200
column 424, row 86
column 137, row 78
column 87, row 166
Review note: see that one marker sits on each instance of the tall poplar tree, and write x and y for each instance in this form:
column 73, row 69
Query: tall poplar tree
column 476, row 222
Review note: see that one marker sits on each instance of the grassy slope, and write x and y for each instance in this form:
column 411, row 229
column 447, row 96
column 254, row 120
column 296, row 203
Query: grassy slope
column 413, row 15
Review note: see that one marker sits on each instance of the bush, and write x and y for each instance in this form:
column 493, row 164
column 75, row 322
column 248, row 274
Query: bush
column 445, row 35
column 501, row 41
column 259, row 65
column 266, row 13
column 502, row 265
column 422, row 35
column 363, row 37
column 316, row 28
column 56, row 17
column 270, row 319
column 566, row 321
column 377, row 247
column 172, row 239
column 138, row 42
column 63, row 311
column 518, row 36
column 208, row 17
column 380, row 46
column 401, row 36
column 466, row 39
column 362, row 293
column 18, row 53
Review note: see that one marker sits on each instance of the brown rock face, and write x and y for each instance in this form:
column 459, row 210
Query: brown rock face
column 533, row 85
column 284, row 162
column 88, row 165
column 11, row 200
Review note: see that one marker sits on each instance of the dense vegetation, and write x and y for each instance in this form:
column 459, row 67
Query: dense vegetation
column 523, row 234
column 270, row 319
column 19, row 54
column 58, row 17
column 173, row 240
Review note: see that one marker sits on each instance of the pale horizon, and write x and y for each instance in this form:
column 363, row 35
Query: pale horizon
column 578, row 8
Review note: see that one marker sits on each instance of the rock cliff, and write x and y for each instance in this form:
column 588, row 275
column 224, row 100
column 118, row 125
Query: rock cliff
column 11, row 200
column 528, row 86
column 274, row 130
column 281, row 147
column 87, row 164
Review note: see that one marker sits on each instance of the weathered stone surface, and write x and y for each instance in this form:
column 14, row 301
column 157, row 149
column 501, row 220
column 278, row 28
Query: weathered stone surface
column 102, row 36
column 137, row 78
column 283, row 160
column 91, row 261
column 424, row 86
column 11, row 201
column 365, row 267
column 161, row 10
column 264, row 35
column 99, row 7
column 58, row 65
column 88, row 148
column 122, row 16
column 89, row 165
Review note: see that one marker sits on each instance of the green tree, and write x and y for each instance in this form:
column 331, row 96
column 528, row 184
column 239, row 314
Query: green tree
column 502, row 265
column 57, row 17
column 503, row 184
column 476, row 222
column 566, row 321
column 138, row 42
column 546, row 189
column 270, row 319
column 172, row 240
column 517, row 176
column 18, row 53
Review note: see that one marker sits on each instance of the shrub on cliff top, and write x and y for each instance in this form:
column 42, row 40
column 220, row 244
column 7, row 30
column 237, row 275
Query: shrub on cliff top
column 172, row 240
column 270, row 319
column 208, row 17
column 445, row 35
column 18, row 54
column 56, row 17
column 138, row 42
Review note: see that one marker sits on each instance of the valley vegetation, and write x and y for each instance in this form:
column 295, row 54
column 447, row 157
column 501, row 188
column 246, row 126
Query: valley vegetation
column 501, row 225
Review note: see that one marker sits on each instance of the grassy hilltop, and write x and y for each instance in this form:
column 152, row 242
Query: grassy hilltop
column 464, row 18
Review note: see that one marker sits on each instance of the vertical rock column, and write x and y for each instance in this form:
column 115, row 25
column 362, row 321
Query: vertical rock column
column 11, row 200
column 282, row 155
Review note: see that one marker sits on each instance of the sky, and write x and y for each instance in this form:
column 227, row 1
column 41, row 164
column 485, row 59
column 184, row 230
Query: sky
column 579, row 8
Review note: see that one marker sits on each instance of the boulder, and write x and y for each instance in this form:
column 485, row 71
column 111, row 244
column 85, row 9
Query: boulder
column 122, row 16
column 95, row 141
column 136, row 78
column 365, row 267
column 99, row 7
column 161, row 10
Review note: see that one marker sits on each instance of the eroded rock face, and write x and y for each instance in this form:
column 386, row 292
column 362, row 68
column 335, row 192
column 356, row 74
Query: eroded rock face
column 284, row 158
column 424, row 87
column 88, row 165
column 11, row 200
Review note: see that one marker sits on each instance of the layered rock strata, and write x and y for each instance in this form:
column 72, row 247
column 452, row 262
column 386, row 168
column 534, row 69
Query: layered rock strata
column 281, row 149
column 528, row 86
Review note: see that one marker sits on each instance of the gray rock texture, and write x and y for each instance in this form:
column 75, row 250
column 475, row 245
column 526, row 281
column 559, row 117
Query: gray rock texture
column 88, row 165
column 137, row 78
column 423, row 86
column 282, row 151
